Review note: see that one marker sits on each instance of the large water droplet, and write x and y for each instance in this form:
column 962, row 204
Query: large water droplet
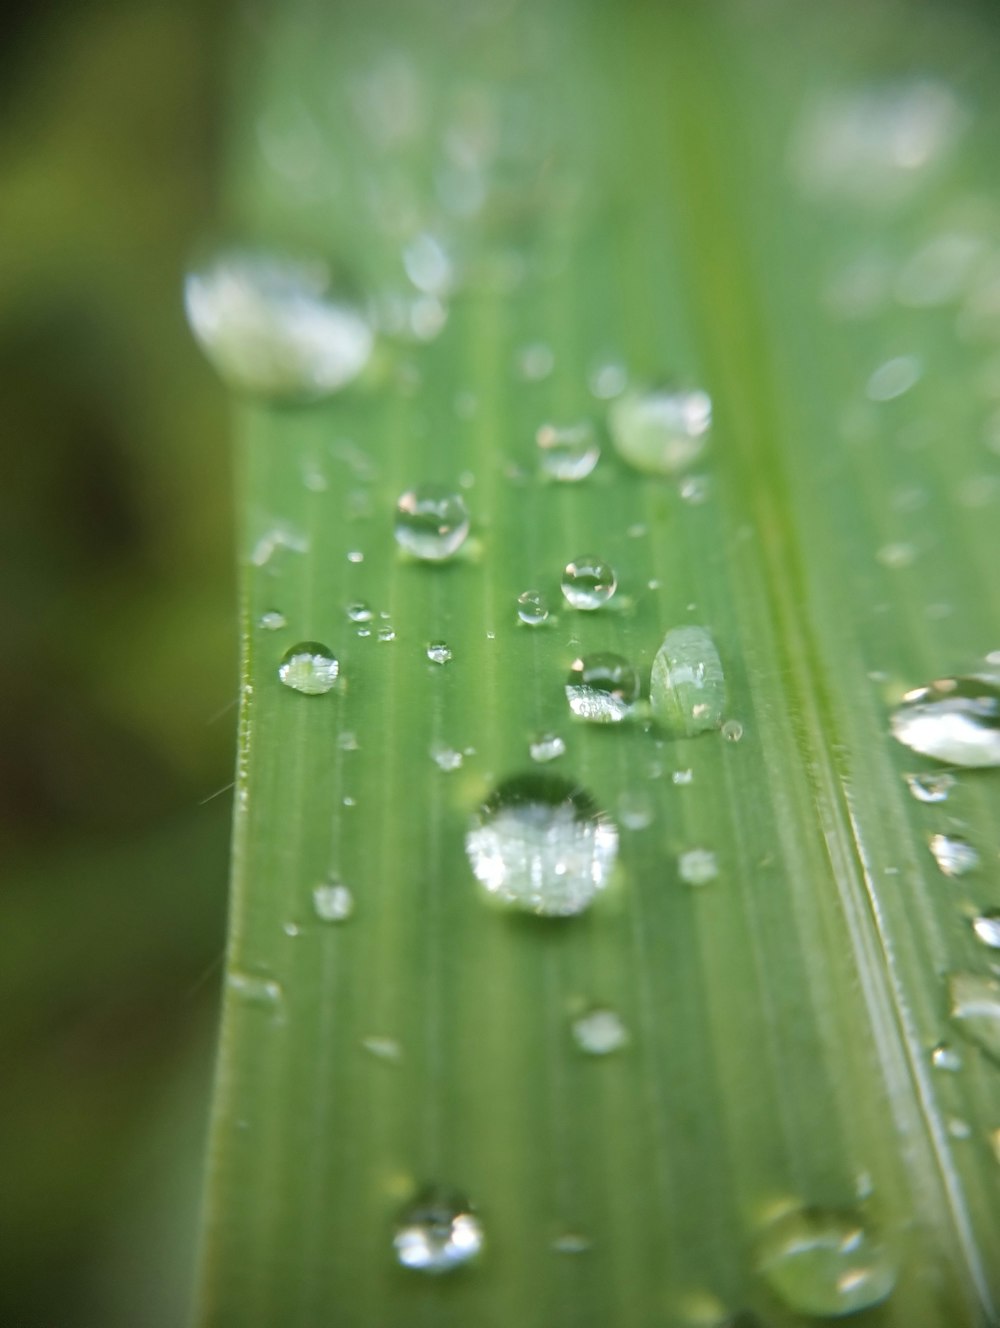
column 975, row 1010
column 333, row 902
column 588, row 582
column 432, row 522
column 599, row 1032
column 567, row 452
column 660, row 432
column 826, row 1262
column 438, row 1232
column 271, row 326
column 541, row 843
column 687, row 689
column 602, row 688
column 930, row 787
column 309, row 667
column 956, row 720
column 954, row 855
column 532, row 608
column 987, row 928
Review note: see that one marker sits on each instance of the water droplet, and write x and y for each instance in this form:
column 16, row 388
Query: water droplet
column 387, row 633
column 431, row 522
column 428, row 265
column 946, row 1058
column 547, row 747
column 446, row 758
column 258, row 991
column 698, row 866
column 825, row 1263
column 954, row 855
column 347, row 741
column 588, row 582
column 987, row 928
column 272, row 621
column 290, row 929
column 599, row 1032
column 975, row 1010
column 309, row 667
column 567, row 452
column 438, row 652
column 571, row 1243
column 956, row 720
column 695, row 489
column 892, row 379
column 930, row 787
column 385, row 1048
column 355, row 556
column 937, row 272
column 732, row 730
column 687, row 689
column 438, row 1232
column 532, row 607
column 682, row 776
column 602, row 688
column 635, row 809
column 607, row 380
column 896, row 556
column 333, row 902
column 271, row 326
column 660, row 432
column 360, row 612
column 535, row 362
column 541, row 843
column 280, row 538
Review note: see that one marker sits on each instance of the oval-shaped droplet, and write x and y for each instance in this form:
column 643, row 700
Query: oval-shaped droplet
column 660, row 432
column 599, row 1032
column 432, row 522
column 588, row 582
column 272, row 620
column 532, row 608
column 333, row 902
column 986, row 927
column 541, row 844
column 953, row 854
column 826, row 1262
column 309, row 668
column 698, row 866
column 439, row 652
column 437, row 1232
column 956, row 720
column 929, row 787
column 567, row 452
column 602, row 688
column 272, row 325
column 975, row 1010
column 360, row 611
column 687, row 689
column 546, row 747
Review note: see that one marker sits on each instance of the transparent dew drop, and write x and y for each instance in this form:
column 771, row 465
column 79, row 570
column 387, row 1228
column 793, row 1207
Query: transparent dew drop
column 956, row 720
column 383, row 1048
column 546, row 747
column 272, row 326
column 309, row 668
column 541, row 844
column 532, row 608
column 599, row 1032
column 567, row 452
column 893, row 378
column 272, row 620
column 635, row 809
column 825, row 1262
column 588, row 582
column 535, row 362
column 438, row 1232
column 386, row 633
column 261, row 993
column 360, row 612
column 333, row 902
column 930, row 787
column 602, row 688
column 432, row 522
column 954, row 855
column 946, row 1058
column 732, row 730
column 571, row 1243
column 438, row 652
column 446, row 758
column 687, row 689
column 660, row 432
column 974, row 1003
column 682, row 777
column 986, row 927
column 698, row 866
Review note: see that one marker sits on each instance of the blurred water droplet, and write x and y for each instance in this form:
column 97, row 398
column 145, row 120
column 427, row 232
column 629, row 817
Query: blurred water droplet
column 431, row 522
column 272, row 621
column 438, row 1232
column 927, row 787
column 695, row 489
column 546, row 747
column 682, row 776
column 333, row 902
column 956, row 720
column 384, row 1048
column 347, row 741
column 271, row 325
column 732, row 730
column 825, row 1262
column 602, row 688
column 954, row 855
column 588, row 582
column 280, row 538
column 567, row 452
column 429, row 265
column 571, row 1243
column 360, row 612
column 987, row 928
column 893, row 378
column 897, row 555
column 946, row 1058
column 535, row 362
column 438, row 652
column 599, row 1032
column 937, row 272
column 607, row 380
column 355, row 556
column 698, row 866
column 687, row 689
column 660, row 432
column 254, row 990
column 974, row 1001
column 387, row 633
column 291, row 929
column 309, row 668
column 532, row 607
column 959, row 1129
column 542, row 844
column 446, row 758
column 635, row 809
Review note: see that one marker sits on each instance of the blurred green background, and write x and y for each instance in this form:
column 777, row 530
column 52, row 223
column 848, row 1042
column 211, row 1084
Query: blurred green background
column 118, row 658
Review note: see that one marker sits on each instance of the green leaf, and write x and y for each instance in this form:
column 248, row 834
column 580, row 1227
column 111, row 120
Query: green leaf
column 738, row 198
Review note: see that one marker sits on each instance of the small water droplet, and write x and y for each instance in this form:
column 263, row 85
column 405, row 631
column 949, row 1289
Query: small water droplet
column 698, row 866
column 958, row 1129
column 255, row 990
column 635, row 809
column 438, row 1232
column 687, row 689
column 895, row 556
column 333, row 902
column 432, row 522
column 438, row 652
column 271, row 326
column 732, row 730
column 695, row 489
column 893, row 378
column 607, row 380
column 567, row 452
column 826, row 1263
column 599, row 1032
column 385, row 1048
column 272, row 621
column 946, row 1058
column 956, row 720
column 927, row 787
column 360, row 612
column 954, row 855
column 290, row 929
column 446, row 758
column 355, row 556
column 571, row 1243
column 682, row 776
column 532, row 607
column 347, row 741
column 974, row 1001
column 602, row 688
column 937, row 272
column 660, row 432
column 309, row 668
column 535, row 362
column 588, row 582
column 541, row 844
column 387, row 633
column 987, row 928
column 429, row 265
column 546, row 747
